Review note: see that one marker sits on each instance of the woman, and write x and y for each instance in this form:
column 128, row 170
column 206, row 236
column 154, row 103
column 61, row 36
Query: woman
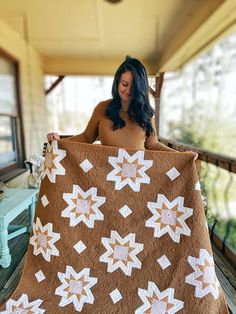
column 126, row 120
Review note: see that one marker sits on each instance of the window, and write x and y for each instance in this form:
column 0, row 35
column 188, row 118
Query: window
column 11, row 143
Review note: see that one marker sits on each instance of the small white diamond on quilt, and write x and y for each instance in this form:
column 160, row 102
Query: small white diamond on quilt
column 44, row 200
column 125, row 211
column 173, row 173
column 197, row 186
column 115, row 296
column 86, row 165
column 80, row 247
column 39, row 276
column 163, row 262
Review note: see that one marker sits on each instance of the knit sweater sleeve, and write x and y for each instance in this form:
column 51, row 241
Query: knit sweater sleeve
column 152, row 142
column 90, row 133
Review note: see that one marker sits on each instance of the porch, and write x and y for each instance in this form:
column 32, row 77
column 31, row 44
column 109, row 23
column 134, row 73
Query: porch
column 172, row 35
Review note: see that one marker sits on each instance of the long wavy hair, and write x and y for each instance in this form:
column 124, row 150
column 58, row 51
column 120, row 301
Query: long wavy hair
column 139, row 108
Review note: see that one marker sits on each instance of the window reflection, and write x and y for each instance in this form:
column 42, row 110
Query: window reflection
column 7, row 149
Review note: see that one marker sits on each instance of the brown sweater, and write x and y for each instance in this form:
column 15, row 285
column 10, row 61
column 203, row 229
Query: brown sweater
column 131, row 136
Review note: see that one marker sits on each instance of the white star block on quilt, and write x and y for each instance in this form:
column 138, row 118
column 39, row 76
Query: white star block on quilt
column 76, row 288
column 155, row 301
column 164, row 262
column 173, row 173
column 115, row 296
column 43, row 240
column 125, row 211
column 22, row 305
column 129, row 170
column 121, row 253
column 52, row 165
column 86, row 165
column 169, row 217
column 203, row 278
column 83, row 206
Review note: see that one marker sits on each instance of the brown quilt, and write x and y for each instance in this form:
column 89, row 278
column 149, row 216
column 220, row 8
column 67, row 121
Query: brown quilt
column 118, row 231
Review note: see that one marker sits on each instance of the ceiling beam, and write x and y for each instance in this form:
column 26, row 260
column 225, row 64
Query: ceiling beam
column 54, row 84
column 88, row 66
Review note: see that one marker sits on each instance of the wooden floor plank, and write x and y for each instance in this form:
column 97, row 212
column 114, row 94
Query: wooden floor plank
column 17, row 254
column 224, row 265
column 18, row 247
column 230, row 292
column 9, row 277
column 12, row 282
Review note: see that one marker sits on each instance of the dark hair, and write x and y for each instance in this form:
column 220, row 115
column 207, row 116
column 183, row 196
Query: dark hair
column 139, row 108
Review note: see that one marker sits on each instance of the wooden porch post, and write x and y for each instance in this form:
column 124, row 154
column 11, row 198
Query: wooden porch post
column 157, row 94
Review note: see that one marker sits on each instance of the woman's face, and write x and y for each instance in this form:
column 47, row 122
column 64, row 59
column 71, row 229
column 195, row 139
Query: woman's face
column 124, row 87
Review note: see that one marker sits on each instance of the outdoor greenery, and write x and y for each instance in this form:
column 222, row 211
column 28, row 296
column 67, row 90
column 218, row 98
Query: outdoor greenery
column 198, row 107
column 71, row 103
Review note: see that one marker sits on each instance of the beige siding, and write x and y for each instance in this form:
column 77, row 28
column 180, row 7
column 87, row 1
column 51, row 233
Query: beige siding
column 33, row 105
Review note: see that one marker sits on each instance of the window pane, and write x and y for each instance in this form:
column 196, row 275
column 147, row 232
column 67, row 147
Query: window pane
column 7, row 149
column 8, row 97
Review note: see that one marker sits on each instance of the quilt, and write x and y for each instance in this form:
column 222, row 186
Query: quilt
column 118, row 231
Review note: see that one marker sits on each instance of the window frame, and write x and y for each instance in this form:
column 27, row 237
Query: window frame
column 14, row 168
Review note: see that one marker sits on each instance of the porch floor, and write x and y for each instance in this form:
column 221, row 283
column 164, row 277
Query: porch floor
column 9, row 277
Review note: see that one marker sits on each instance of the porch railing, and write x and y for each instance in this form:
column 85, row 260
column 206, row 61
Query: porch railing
column 218, row 183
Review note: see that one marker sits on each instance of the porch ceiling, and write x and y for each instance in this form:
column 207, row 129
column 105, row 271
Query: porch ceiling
column 95, row 35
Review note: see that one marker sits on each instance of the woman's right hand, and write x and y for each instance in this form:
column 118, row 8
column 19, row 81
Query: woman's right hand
column 53, row 137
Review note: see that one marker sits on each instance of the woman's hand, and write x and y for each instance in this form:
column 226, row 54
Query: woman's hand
column 53, row 137
column 195, row 155
column 198, row 163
